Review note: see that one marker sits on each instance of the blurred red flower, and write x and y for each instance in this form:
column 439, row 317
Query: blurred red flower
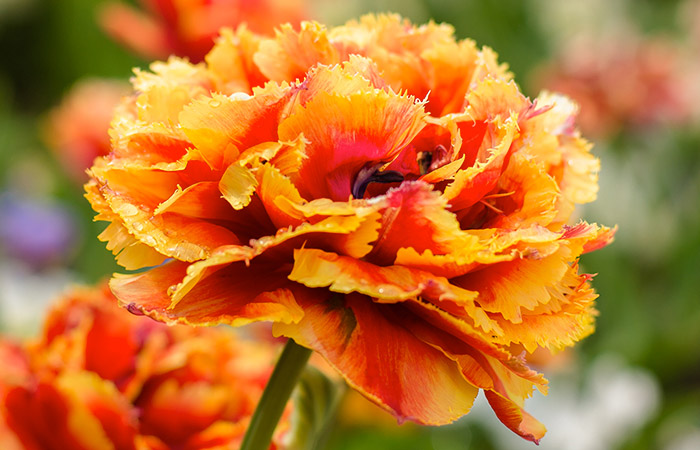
column 100, row 378
column 187, row 28
column 76, row 131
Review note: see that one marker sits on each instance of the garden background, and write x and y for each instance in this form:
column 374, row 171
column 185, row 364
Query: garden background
column 634, row 68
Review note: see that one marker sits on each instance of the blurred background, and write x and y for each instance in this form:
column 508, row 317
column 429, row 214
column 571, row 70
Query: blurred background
column 633, row 66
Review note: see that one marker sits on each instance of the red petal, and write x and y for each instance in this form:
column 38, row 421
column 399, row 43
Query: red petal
column 380, row 358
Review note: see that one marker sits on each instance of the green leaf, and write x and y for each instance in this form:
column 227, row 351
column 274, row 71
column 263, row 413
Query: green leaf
column 316, row 399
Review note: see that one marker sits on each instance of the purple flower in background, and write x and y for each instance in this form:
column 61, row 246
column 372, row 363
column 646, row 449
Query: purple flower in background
column 38, row 232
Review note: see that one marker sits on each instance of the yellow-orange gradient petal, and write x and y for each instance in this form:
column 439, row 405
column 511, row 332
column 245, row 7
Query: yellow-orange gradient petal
column 292, row 53
column 341, row 274
column 223, row 126
column 231, row 61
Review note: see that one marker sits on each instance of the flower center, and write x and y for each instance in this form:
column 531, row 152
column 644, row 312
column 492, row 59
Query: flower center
column 431, row 160
column 372, row 174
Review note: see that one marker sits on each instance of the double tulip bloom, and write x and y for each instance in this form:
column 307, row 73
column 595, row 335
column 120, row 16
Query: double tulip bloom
column 381, row 192
column 97, row 378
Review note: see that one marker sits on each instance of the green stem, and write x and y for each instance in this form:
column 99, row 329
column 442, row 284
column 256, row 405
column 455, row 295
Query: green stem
column 275, row 396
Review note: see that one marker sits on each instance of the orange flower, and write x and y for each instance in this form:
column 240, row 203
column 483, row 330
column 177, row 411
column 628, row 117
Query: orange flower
column 187, row 28
column 100, row 378
column 401, row 208
column 77, row 130
column 622, row 82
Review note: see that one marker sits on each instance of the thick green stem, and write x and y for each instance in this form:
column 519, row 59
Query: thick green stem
column 275, row 396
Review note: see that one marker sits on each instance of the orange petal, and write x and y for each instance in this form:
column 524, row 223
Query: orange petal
column 316, row 268
column 450, row 68
column 493, row 98
column 15, row 367
column 472, row 183
column 169, row 86
column 150, row 144
column 171, row 234
column 273, row 186
column 75, row 410
column 290, row 54
column 515, row 418
column 221, row 127
column 201, row 200
column 231, row 61
column 507, row 287
column 482, row 364
column 334, row 232
column 486, row 246
column 566, row 319
column 356, row 338
column 235, row 294
column 405, row 54
column 577, row 166
column 414, row 215
column 529, row 196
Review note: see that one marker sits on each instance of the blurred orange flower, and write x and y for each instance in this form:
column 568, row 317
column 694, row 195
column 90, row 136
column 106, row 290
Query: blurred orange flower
column 401, row 208
column 100, row 378
column 187, row 28
column 622, row 82
column 76, row 131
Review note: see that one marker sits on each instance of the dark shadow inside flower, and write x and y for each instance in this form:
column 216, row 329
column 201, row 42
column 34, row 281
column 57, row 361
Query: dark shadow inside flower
column 373, row 174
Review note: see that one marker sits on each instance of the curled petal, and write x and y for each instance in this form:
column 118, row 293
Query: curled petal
column 529, row 196
column 471, row 184
column 416, row 216
column 316, row 268
column 237, row 186
column 200, row 200
column 515, row 418
column 565, row 320
column 506, row 287
column 234, row 294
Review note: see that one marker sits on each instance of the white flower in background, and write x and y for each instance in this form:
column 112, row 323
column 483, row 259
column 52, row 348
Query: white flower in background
column 25, row 295
column 563, row 20
column 685, row 440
